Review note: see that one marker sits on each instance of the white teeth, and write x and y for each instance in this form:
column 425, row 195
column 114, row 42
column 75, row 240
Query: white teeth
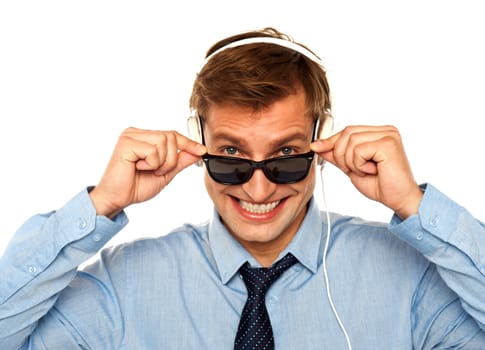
column 258, row 208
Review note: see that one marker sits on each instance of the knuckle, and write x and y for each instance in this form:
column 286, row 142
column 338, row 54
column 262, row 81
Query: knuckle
column 389, row 141
column 129, row 129
column 348, row 130
column 393, row 130
column 167, row 136
column 171, row 135
column 123, row 138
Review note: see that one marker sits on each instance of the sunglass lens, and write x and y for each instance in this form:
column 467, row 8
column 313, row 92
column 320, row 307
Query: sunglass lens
column 229, row 171
column 288, row 170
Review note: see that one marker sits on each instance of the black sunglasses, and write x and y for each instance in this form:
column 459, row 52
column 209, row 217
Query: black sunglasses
column 280, row 170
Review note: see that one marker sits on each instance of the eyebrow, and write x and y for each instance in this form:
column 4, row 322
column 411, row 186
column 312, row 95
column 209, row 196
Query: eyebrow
column 291, row 138
column 225, row 137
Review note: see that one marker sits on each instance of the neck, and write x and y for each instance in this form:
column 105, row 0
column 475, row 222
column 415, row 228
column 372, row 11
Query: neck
column 267, row 252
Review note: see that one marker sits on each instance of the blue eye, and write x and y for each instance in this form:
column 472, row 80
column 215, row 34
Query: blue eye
column 287, row 150
column 231, row 150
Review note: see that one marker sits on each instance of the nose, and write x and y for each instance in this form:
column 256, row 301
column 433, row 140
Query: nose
column 259, row 188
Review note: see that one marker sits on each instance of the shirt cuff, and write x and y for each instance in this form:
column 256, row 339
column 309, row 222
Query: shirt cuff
column 93, row 231
column 441, row 222
column 43, row 237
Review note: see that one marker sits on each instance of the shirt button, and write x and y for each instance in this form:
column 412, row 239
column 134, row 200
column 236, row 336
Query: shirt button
column 419, row 236
column 82, row 224
column 97, row 237
column 32, row 269
column 434, row 220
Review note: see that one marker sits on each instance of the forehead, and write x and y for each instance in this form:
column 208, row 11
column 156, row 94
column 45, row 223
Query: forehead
column 289, row 112
column 253, row 133
column 258, row 128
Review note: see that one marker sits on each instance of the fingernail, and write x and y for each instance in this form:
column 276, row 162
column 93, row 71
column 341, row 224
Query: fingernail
column 201, row 149
column 316, row 145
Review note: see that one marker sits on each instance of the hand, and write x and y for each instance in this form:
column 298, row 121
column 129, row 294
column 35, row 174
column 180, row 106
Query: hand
column 374, row 159
column 142, row 164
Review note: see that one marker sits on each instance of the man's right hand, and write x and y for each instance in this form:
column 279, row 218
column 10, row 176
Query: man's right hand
column 142, row 164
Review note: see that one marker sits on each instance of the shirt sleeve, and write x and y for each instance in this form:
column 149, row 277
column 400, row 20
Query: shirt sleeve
column 42, row 259
column 454, row 241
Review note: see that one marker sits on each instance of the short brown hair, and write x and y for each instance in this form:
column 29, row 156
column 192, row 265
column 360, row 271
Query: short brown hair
column 259, row 74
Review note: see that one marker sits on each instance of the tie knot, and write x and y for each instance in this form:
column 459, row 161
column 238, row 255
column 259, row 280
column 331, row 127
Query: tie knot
column 259, row 279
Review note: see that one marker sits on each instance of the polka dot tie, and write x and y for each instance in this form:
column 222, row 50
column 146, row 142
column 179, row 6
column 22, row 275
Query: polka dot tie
column 255, row 330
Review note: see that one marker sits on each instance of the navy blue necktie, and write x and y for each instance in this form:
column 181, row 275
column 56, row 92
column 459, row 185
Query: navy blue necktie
column 255, row 330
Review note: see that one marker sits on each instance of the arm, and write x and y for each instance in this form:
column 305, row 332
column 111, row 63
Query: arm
column 448, row 236
column 373, row 158
column 42, row 259
column 445, row 233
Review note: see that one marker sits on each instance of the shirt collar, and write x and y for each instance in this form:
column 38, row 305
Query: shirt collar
column 306, row 246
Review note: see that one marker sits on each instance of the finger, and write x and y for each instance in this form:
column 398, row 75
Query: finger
column 188, row 145
column 168, row 152
column 158, row 138
column 133, row 150
column 361, row 152
column 169, row 160
column 149, row 156
column 325, row 147
column 368, row 148
column 144, row 148
column 182, row 152
column 339, row 149
column 362, row 162
column 184, row 159
column 340, row 143
column 159, row 149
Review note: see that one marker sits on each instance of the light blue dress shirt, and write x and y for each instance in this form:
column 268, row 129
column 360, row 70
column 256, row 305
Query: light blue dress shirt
column 413, row 284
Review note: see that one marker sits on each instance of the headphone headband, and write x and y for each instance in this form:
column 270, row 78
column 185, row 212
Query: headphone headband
column 269, row 40
column 323, row 131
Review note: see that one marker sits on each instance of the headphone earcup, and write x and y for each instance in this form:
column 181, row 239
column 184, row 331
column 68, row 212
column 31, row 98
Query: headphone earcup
column 193, row 126
column 195, row 131
column 325, row 131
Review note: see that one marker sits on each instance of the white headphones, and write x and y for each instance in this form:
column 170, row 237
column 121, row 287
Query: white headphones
column 322, row 131
column 268, row 40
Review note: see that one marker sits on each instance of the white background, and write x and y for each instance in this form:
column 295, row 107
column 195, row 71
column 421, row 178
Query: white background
column 74, row 74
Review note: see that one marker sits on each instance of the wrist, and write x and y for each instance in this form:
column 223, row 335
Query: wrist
column 410, row 205
column 102, row 207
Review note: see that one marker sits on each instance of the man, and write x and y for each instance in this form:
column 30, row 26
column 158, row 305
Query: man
column 261, row 106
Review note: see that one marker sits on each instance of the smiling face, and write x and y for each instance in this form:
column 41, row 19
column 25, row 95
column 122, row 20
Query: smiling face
column 261, row 215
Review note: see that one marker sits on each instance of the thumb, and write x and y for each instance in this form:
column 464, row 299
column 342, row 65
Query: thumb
column 186, row 159
column 188, row 152
column 324, row 148
column 190, row 146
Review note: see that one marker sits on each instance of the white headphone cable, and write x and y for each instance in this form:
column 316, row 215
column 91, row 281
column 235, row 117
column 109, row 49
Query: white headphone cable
column 325, row 273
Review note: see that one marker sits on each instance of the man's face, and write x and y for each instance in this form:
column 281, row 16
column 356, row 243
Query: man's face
column 261, row 215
